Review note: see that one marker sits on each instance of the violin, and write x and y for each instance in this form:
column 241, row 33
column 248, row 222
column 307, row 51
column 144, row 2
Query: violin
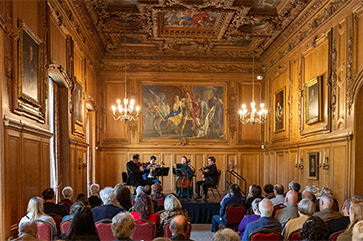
column 141, row 164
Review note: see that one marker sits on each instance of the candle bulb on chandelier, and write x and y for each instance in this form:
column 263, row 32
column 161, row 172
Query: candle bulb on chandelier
column 114, row 110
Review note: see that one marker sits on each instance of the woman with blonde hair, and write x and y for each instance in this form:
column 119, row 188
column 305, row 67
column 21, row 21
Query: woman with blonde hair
column 173, row 208
column 355, row 215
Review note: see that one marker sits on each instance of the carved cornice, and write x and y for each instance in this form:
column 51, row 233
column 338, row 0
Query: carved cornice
column 350, row 85
column 333, row 79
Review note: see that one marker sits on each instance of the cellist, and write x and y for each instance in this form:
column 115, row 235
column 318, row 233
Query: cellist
column 184, row 183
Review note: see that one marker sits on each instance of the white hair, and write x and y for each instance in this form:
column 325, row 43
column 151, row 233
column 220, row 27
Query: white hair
column 67, row 192
column 108, row 195
column 94, row 188
column 266, row 208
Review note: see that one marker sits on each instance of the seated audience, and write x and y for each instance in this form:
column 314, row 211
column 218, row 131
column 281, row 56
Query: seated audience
column 95, row 199
column 341, row 223
column 250, row 218
column 306, row 208
column 296, row 187
column 157, row 191
column 266, row 221
column 178, row 227
column 355, row 215
column 307, row 195
column 314, row 229
column 226, row 234
column 358, row 231
column 161, row 239
column 123, row 226
column 147, row 190
column 67, row 193
column 123, row 197
column 268, row 191
column 312, row 189
column 279, row 195
column 83, row 227
column 108, row 210
column 234, row 199
column 291, row 211
column 173, row 208
column 28, row 231
column 327, row 191
column 50, row 207
column 83, row 199
column 117, row 187
column 144, row 209
column 256, row 193
column 35, row 212
column 357, row 198
column 75, row 207
column 326, row 213
column 250, row 188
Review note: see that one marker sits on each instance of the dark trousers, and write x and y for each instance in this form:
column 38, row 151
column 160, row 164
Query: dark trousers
column 216, row 220
column 205, row 185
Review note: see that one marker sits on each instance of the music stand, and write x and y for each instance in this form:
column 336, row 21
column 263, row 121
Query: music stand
column 161, row 172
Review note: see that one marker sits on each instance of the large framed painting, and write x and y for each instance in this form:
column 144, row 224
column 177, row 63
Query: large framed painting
column 313, row 100
column 78, row 110
column 279, row 110
column 179, row 112
column 313, row 171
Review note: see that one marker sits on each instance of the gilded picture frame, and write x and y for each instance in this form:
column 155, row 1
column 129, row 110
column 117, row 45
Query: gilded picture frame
column 279, row 110
column 313, row 100
column 78, row 109
column 313, row 165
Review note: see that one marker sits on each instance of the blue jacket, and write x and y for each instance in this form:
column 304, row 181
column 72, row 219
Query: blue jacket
column 264, row 222
column 232, row 200
column 105, row 212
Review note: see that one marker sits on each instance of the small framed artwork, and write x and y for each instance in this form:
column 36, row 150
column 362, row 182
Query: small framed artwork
column 78, row 106
column 313, row 171
column 279, row 110
column 313, row 100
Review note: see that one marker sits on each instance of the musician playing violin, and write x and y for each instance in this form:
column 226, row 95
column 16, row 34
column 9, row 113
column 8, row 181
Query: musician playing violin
column 211, row 177
column 149, row 170
column 185, row 173
column 135, row 171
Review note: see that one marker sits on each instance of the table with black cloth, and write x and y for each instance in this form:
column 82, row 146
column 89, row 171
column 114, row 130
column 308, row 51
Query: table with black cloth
column 201, row 212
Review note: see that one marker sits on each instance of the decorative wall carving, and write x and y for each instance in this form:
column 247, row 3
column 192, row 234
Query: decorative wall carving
column 333, row 79
column 232, row 114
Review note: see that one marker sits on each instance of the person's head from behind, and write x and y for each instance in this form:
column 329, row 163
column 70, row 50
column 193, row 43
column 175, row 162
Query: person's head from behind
column 67, row 192
column 139, row 190
column 95, row 189
column 123, row 225
column 108, row 195
column 291, row 197
column 226, row 235
column 147, row 189
column 266, row 208
column 306, row 207
column 313, row 229
column 257, row 191
column 123, row 195
column 83, row 199
column 325, row 201
column 117, row 187
column 296, row 187
column 355, row 213
column 358, row 231
column 179, row 225
column 171, row 203
column 76, row 207
column 278, row 189
column 307, row 195
column 83, row 223
column 30, row 228
column 157, row 188
column 268, row 189
column 251, row 188
column 346, row 207
column 35, row 207
column 48, row 195
column 255, row 206
column 234, row 190
column 144, row 206
column 291, row 185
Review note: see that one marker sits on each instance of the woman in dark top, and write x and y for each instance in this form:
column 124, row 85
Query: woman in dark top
column 123, row 196
column 83, row 227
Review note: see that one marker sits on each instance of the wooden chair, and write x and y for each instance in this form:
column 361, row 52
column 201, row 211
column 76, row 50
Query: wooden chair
column 265, row 234
column 294, row 236
column 334, row 236
column 65, row 225
column 144, row 230
column 104, row 230
column 168, row 233
column 234, row 215
column 216, row 186
column 45, row 230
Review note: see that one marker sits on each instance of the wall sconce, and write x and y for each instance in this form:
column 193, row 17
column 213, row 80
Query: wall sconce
column 325, row 164
column 299, row 164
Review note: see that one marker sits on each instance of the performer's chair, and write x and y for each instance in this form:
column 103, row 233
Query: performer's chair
column 216, row 186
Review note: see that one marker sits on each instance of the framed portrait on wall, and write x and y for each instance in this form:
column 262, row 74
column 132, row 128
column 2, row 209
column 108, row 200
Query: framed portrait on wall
column 78, row 106
column 313, row 100
column 313, row 168
column 279, row 110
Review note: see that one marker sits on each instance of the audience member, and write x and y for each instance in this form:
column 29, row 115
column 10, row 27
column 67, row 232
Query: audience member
column 296, row 187
column 234, row 199
column 326, row 213
column 67, row 193
column 266, row 221
column 178, row 227
column 358, row 231
column 256, row 193
column 173, row 208
column 83, row 199
column 50, row 207
column 279, row 195
column 307, row 195
column 306, row 208
column 161, row 239
column 157, row 191
column 74, row 209
column 28, row 231
column 341, row 223
column 314, row 229
column 291, row 211
column 83, row 227
column 147, row 190
column 108, row 210
column 357, row 198
column 123, row 197
column 95, row 199
column 117, row 187
column 250, row 188
column 226, row 235
column 313, row 190
column 327, row 191
column 123, row 226
column 355, row 215
column 144, row 209
column 250, row 218
column 269, row 191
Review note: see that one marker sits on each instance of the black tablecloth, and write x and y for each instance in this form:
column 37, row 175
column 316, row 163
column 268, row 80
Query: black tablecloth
column 201, row 212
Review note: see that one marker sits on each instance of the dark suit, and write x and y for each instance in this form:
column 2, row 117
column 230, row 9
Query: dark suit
column 134, row 175
column 52, row 208
column 94, row 201
column 180, row 237
column 105, row 212
column 338, row 224
column 211, row 178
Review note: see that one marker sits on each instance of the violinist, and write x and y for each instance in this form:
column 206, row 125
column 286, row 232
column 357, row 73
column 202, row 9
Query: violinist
column 135, row 171
column 185, row 173
column 149, row 170
column 211, row 177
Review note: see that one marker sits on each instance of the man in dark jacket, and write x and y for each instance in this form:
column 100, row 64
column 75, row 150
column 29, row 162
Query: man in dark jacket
column 134, row 173
column 211, row 178
column 50, row 207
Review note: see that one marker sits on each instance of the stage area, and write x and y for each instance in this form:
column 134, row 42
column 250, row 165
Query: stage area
column 200, row 211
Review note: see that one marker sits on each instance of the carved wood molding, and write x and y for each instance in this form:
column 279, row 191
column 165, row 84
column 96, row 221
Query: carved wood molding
column 334, row 76
column 21, row 126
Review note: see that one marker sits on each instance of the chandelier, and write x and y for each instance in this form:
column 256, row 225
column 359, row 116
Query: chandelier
column 253, row 116
column 125, row 111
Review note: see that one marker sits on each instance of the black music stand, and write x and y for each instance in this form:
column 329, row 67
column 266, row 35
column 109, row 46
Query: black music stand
column 161, row 172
